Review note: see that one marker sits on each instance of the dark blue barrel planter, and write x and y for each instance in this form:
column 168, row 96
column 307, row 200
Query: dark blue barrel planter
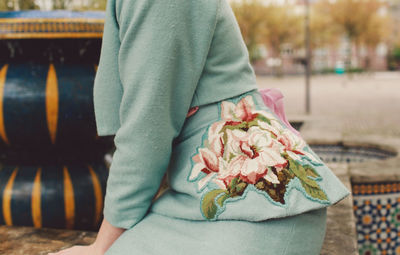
column 58, row 196
column 53, row 172
column 47, row 106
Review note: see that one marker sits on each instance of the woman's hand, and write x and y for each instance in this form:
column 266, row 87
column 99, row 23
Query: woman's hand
column 105, row 238
column 80, row 250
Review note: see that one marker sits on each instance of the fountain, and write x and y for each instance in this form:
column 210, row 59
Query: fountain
column 53, row 172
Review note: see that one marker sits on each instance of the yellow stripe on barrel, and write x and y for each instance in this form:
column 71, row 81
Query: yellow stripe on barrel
column 36, row 202
column 3, row 74
column 52, row 102
column 97, row 195
column 69, row 201
column 7, row 195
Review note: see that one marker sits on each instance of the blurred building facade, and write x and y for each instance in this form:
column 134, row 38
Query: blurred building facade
column 70, row 4
column 291, row 58
column 328, row 58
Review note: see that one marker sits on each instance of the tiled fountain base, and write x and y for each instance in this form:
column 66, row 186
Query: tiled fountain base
column 341, row 153
column 376, row 204
column 377, row 211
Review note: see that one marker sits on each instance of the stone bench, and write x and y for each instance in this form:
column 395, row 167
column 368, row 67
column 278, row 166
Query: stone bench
column 340, row 236
column 37, row 241
column 16, row 240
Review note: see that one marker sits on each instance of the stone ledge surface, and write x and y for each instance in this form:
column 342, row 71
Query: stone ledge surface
column 340, row 235
column 15, row 240
column 378, row 170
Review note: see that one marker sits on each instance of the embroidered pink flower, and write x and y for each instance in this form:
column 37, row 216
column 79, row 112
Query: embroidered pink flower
column 250, row 147
column 293, row 144
column 253, row 152
column 243, row 111
column 248, row 154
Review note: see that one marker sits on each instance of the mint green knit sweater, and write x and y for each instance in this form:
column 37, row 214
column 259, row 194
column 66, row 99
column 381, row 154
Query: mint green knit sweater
column 158, row 59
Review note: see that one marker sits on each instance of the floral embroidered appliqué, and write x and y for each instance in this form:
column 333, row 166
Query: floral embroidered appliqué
column 192, row 111
column 250, row 147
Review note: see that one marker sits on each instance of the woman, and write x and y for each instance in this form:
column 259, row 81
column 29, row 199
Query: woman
column 175, row 87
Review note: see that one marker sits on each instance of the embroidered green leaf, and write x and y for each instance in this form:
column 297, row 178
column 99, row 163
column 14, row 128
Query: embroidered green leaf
column 263, row 118
column 311, row 171
column 260, row 185
column 301, row 173
column 242, row 125
column 208, row 205
column 225, row 138
column 315, row 192
column 234, row 182
column 231, row 156
column 276, row 190
column 253, row 123
column 221, row 199
column 310, row 186
column 240, row 187
column 236, row 187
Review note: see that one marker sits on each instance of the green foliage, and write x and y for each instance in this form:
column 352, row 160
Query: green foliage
column 332, row 70
column 222, row 199
column 208, row 205
column 394, row 58
column 310, row 171
column 310, row 186
column 271, row 25
column 396, row 53
column 61, row 4
column 93, row 5
column 274, row 190
column 16, row 5
column 355, row 70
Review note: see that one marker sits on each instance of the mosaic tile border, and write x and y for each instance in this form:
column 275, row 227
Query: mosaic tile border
column 350, row 153
column 361, row 189
column 376, row 207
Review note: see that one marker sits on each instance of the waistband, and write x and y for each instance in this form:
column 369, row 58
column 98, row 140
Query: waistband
column 270, row 97
column 199, row 117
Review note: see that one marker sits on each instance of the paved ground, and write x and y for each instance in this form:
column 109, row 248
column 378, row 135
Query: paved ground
column 367, row 103
column 366, row 109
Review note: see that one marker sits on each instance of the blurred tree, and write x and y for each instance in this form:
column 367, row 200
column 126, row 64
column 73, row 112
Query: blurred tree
column 98, row 4
column 268, row 24
column 282, row 26
column 91, row 5
column 322, row 28
column 250, row 15
column 16, row 5
column 360, row 21
column 282, row 29
column 3, row 5
column 61, row 4
column 377, row 31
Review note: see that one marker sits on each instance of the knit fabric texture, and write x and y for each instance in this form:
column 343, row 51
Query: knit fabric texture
column 158, row 59
column 161, row 58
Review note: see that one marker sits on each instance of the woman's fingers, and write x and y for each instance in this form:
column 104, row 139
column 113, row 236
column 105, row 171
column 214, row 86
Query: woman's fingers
column 74, row 250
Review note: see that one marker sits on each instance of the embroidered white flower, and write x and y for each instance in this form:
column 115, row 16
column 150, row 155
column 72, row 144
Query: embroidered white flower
column 249, row 147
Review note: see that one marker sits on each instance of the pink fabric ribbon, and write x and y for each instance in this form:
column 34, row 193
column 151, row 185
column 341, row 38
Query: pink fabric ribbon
column 273, row 99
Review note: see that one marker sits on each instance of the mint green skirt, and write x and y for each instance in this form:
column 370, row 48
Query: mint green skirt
column 274, row 203
column 156, row 234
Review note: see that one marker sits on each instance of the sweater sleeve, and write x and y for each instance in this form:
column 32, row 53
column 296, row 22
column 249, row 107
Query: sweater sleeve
column 107, row 89
column 163, row 47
